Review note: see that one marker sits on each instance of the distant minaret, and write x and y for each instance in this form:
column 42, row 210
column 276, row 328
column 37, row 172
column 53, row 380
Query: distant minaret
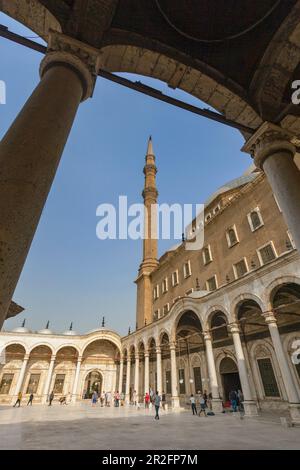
column 150, row 262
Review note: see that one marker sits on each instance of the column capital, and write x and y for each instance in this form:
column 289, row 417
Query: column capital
column 79, row 359
column 84, row 59
column 172, row 346
column 207, row 335
column 53, row 357
column 270, row 139
column 158, row 350
column 234, row 327
column 26, row 357
column 146, row 353
column 269, row 318
column 137, row 357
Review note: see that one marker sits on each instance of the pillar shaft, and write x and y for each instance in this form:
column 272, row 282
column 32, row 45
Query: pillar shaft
column 216, row 402
column 121, row 375
column 20, row 381
column 158, row 371
column 137, row 376
column 146, row 373
column 174, row 384
column 127, row 388
column 48, row 380
column 29, row 155
column 76, row 380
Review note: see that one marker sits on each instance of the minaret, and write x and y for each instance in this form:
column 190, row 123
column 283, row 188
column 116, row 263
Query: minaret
column 150, row 262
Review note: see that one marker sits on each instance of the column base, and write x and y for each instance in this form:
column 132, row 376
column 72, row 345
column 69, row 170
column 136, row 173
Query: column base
column 216, row 405
column 294, row 409
column 250, row 408
column 44, row 399
column 175, row 403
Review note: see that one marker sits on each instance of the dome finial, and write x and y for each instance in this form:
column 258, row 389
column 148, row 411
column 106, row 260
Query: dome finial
column 103, row 322
column 47, row 325
column 71, row 327
column 23, row 323
column 150, row 147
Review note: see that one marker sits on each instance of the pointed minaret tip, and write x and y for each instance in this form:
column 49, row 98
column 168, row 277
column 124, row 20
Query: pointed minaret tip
column 150, row 146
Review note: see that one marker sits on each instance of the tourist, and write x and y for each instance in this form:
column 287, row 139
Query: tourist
column 94, row 398
column 157, row 401
column 134, row 398
column 19, row 399
column 147, row 400
column 209, row 401
column 30, row 399
column 202, row 405
column 102, row 399
column 117, row 399
column 108, row 399
column 233, row 400
column 122, row 398
column 240, row 398
column 193, row 404
column 163, row 400
column 51, row 398
column 205, row 397
column 63, row 400
column 151, row 395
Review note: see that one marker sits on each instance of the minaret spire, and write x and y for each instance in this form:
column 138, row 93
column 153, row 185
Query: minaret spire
column 149, row 262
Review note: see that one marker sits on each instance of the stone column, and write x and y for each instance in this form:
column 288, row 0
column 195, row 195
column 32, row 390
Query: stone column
column 158, row 371
column 137, row 376
column 20, row 378
column 214, row 388
column 46, row 390
column 76, row 380
column 31, row 150
column 121, row 374
column 291, row 389
column 273, row 150
column 127, row 389
column 174, row 381
column 249, row 404
column 146, row 388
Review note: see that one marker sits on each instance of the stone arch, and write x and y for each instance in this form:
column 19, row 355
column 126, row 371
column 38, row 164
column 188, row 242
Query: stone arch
column 180, row 74
column 66, row 345
column 104, row 337
column 32, row 14
column 271, row 288
column 12, row 343
column 178, row 317
column 40, row 344
column 163, row 333
column 211, row 312
column 237, row 301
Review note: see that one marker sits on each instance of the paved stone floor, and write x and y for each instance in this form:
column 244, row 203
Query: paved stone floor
column 84, row 427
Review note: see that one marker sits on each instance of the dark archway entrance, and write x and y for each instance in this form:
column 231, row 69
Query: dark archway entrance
column 93, row 382
column 230, row 377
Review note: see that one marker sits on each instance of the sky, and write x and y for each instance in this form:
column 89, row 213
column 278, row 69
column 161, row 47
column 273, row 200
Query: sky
column 70, row 275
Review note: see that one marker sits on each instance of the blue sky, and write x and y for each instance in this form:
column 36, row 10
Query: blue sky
column 69, row 274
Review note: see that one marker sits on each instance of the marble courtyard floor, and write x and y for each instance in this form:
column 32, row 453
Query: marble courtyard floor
column 83, row 427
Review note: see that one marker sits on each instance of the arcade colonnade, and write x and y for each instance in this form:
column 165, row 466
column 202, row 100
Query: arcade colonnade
column 31, row 150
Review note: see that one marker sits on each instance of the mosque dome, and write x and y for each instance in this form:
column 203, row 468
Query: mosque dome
column 70, row 331
column 45, row 331
column 21, row 329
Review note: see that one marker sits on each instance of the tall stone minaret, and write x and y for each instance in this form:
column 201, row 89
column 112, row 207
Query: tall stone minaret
column 150, row 262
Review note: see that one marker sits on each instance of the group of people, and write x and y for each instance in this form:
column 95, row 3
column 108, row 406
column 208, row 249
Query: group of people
column 105, row 398
column 205, row 403
column 236, row 400
column 19, row 400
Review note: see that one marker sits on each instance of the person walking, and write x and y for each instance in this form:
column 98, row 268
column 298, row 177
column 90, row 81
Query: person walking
column 205, row 396
column 102, row 399
column 94, row 398
column 51, row 398
column 202, row 405
column 30, row 399
column 233, row 400
column 193, row 404
column 19, row 399
column 240, row 397
column 117, row 398
column 209, row 401
column 163, row 400
column 134, row 398
column 147, row 400
column 122, row 398
column 157, row 401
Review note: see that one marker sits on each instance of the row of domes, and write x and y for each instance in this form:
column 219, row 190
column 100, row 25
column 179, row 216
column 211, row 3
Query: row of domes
column 44, row 331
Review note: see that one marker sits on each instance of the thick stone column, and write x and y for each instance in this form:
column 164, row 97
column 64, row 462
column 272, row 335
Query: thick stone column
column 158, row 371
column 290, row 387
column 127, row 388
column 137, row 377
column 31, row 150
column 174, row 381
column 76, row 380
column 146, row 388
column 273, row 150
column 20, row 378
column 121, row 374
column 46, row 390
column 249, row 404
column 214, row 388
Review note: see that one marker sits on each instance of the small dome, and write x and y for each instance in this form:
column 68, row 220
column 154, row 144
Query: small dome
column 45, row 331
column 95, row 330
column 70, row 333
column 21, row 329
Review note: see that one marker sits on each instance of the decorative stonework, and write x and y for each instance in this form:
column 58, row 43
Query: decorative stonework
column 82, row 58
column 270, row 139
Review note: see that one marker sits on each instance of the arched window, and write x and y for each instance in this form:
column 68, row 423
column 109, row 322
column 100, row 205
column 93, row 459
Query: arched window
column 231, row 235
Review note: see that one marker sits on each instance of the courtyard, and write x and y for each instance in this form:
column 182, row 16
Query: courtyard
column 83, row 427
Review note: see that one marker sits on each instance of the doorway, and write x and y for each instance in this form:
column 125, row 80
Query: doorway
column 230, row 377
column 93, row 383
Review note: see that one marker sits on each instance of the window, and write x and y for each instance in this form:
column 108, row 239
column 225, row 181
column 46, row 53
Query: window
column 206, row 254
column 168, row 382
column 217, row 209
column 267, row 253
column 189, row 291
column 231, row 235
column 175, row 281
column 176, row 298
column 255, row 219
column 290, row 241
column 33, row 383
column 208, row 217
column 165, row 285
column 211, row 284
column 59, row 383
column 6, row 383
column 197, row 379
column 268, row 377
column 181, row 381
column 240, row 268
column 156, row 292
column 166, row 309
column 156, row 315
column 187, row 269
